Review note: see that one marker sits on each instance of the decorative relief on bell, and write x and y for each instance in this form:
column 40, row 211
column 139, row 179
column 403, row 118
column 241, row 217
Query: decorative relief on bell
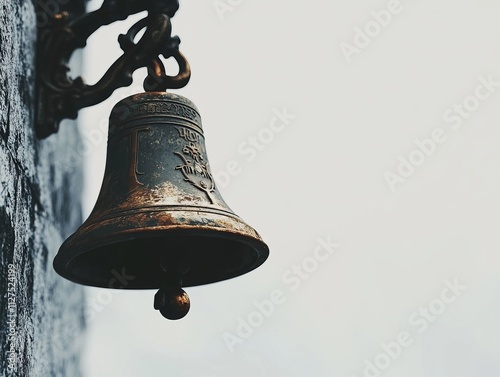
column 175, row 109
column 133, row 136
column 195, row 171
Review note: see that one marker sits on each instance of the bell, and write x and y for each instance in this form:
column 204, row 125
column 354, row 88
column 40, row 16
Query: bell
column 159, row 221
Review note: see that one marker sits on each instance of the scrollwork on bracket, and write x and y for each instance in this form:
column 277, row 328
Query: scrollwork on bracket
column 61, row 97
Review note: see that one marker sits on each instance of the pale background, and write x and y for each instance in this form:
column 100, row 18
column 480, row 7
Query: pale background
column 323, row 176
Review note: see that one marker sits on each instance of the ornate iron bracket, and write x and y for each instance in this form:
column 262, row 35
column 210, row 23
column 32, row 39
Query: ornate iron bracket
column 60, row 97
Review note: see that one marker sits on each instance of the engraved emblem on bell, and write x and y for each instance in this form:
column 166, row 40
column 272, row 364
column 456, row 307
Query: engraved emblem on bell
column 195, row 171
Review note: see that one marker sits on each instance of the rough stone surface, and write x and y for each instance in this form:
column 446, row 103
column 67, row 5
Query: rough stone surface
column 41, row 313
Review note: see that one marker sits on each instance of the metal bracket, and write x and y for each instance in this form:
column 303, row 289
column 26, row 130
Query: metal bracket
column 60, row 97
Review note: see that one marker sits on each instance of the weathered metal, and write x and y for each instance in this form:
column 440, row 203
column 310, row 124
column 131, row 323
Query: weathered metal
column 159, row 216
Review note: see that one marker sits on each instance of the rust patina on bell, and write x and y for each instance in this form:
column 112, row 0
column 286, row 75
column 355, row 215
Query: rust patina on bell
column 159, row 218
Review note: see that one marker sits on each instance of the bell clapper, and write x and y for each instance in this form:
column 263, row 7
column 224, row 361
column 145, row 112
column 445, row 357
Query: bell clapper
column 171, row 300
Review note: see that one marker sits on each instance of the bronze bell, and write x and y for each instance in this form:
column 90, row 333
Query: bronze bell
column 159, row 218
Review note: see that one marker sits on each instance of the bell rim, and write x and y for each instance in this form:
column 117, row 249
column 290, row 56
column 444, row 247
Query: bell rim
column 62, row 260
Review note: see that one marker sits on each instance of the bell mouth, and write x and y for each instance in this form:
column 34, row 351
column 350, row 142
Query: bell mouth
column 141, row 263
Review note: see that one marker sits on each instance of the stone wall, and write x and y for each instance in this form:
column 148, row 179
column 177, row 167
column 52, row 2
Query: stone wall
column 41, row 313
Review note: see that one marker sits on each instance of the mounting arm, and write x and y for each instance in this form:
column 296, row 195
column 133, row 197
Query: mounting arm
column 60, row 97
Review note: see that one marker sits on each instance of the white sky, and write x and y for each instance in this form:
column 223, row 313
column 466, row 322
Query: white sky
column 325, row 175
